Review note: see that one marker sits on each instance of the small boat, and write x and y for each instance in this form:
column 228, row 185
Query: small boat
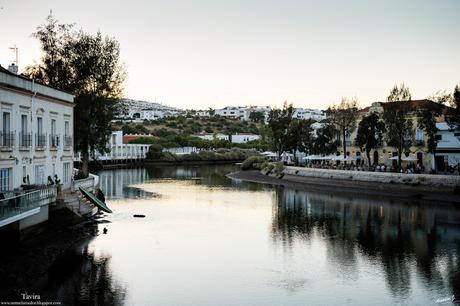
column 92, row 198
column 139, row 216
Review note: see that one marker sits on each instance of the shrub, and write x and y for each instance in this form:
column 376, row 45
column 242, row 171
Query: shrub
column 279, row 167
column 155, row 151
column 249, row 163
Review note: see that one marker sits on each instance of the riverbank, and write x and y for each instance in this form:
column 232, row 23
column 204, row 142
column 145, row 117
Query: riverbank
column 406, row 192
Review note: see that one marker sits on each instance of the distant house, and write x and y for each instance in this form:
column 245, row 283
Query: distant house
column 210, row 136
column 244, row 137
column 36, row 132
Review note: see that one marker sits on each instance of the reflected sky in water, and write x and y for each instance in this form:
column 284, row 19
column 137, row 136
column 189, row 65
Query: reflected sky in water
column 207, row 240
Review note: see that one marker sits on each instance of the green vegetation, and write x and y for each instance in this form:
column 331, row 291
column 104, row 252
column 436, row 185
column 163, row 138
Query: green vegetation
column 253, row 162
column 155, row 154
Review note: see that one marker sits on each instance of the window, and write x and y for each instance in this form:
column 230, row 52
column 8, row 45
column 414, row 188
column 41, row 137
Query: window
column 53, row 126
column 419, row 135
column 66, row 174
column 67, row 128
column 39, row 126
column 24, row 174
column 24, row 124
column 5, row 179
column 40, row 175
column 6, row 122
column 438, row 137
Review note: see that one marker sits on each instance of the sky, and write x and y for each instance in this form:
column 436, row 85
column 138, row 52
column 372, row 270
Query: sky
column 200, row 54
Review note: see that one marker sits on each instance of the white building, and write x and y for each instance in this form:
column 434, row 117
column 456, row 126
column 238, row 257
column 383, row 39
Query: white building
column 308, row 113
column 118, row 150
column 244, row 137
column 135, row 110
column 35, row 133
column 236, row 112
column 448, row 147
column 210, row 136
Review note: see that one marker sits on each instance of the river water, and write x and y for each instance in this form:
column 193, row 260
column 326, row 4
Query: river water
column 208, row 240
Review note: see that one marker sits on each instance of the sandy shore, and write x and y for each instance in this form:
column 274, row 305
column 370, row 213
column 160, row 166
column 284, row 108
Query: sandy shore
column 417, row 194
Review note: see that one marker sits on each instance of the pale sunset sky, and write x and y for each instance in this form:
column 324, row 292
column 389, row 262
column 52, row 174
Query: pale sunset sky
column 200, row 54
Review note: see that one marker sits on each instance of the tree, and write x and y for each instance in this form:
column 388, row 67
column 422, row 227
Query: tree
column 279, row 121
column 300, row 136
column 401, row 93
column 211, row 112
column 453, row 114
column 370, row 134
column 89, row 67
column 343, row 117
column 324, row 142
column 398, row 125
column 427, row 122
column 257, row 116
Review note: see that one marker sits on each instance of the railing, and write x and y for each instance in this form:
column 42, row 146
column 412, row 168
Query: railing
column 25, row 202
column 7, row 139
column 85, row 183
column 419, row 143
column 67, row 141
column 25, row 140
column 54, row 141
column 40, row 140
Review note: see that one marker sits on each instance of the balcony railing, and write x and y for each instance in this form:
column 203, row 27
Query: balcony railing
column 54, row 141
column 25, row 202
column 419, row 143
column 7, row 140
column 40, row 140
column 25, row 140
column 67, row 141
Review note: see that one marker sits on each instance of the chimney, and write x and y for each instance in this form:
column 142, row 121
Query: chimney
column 13, row 68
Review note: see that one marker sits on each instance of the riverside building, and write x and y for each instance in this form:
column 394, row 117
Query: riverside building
column 36, row 141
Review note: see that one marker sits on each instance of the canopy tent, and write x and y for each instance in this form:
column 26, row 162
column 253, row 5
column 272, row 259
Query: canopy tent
column 318, row 157
column 409, row 158
column 341, row 158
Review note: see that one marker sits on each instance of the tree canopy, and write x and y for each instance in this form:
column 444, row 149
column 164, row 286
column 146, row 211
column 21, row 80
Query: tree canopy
column 88, row 66
column 370, row 134
column 343, row 117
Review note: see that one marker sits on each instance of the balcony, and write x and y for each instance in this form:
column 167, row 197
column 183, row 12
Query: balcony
column 7, row 140
column 40, row 141
column 25, row 140
column 54, row 141
column 420, row 143
column 67, row 142
column 23, row 205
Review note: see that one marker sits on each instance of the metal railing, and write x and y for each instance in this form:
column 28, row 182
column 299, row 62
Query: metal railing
column 7, row 139
column 40, row 140
column 54, row 141
column 25, row 202
column 67, row 141
column 25, row 140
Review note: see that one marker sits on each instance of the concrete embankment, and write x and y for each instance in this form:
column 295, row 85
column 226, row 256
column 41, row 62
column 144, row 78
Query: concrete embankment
column 378, row 177
column 401, row 189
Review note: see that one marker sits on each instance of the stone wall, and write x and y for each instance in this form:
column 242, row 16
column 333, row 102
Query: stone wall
column 381, row 177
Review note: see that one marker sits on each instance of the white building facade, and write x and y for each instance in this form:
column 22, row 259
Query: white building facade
column 308, row 113
column 244, row 137
column 36, row 133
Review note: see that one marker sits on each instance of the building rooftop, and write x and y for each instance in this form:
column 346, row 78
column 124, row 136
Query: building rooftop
column 22, row 83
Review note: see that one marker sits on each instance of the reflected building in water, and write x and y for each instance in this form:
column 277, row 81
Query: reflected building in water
column 396, row 237
column 116, row 183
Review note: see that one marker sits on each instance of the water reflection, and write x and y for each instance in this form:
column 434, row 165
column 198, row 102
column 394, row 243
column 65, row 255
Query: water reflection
column 394, row 236
column 81, row 277
column 118, row 184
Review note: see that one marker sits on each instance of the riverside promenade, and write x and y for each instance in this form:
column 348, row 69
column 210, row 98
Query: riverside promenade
column 419, row 188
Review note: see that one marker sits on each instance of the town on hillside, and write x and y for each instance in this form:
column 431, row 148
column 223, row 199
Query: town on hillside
column 327, row 181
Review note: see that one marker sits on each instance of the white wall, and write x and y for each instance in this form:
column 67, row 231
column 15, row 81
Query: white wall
column 242, row 138
column 21, row 101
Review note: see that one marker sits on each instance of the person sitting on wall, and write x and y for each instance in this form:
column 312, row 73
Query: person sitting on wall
column 50, row 180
